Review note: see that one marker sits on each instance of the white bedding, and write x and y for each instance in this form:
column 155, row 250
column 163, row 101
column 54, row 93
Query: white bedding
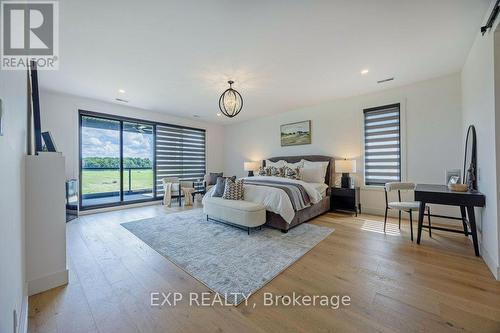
column 276, row 200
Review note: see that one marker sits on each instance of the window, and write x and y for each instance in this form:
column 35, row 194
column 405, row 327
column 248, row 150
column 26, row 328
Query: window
column 123, row 160
column 180, row 152
column 382, row 145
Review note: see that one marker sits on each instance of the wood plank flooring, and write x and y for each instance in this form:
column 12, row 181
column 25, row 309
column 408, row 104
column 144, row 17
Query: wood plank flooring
column 394, row 284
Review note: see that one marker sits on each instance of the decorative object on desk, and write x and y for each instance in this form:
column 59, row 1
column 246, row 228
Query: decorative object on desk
column 455, row 187
column 471, row 178
column 230, row 102
column 295, row 134
column 470, row 159
column 345, row 167
column 453, row 176
column 251, row 167
column 49, row 142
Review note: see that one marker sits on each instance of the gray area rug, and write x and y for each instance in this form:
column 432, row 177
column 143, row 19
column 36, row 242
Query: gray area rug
column 223, row 257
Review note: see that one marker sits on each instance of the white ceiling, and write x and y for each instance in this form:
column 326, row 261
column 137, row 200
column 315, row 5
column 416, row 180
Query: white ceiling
column 176, row 56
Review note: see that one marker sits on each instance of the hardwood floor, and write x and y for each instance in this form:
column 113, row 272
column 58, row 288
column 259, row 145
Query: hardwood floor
column 394, row 284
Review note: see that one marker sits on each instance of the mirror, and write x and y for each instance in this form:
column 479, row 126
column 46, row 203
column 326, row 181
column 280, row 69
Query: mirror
column 470, row 159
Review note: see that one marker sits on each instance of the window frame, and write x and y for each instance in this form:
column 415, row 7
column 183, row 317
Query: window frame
column 402, row 139
column 121, row 119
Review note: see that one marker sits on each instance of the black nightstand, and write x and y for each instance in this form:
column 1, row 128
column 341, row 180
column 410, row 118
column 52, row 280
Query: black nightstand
column 345, row 199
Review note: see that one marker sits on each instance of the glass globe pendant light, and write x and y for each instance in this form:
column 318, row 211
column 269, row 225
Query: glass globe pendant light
column 230, row 102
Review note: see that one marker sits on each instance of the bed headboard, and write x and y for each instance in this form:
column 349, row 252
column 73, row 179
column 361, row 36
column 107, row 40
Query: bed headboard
column 313, row 158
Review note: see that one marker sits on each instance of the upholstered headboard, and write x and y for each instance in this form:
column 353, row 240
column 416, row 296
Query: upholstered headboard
column 313, row 158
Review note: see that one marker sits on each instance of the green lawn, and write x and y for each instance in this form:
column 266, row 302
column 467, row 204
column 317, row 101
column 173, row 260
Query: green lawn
column 97, row 181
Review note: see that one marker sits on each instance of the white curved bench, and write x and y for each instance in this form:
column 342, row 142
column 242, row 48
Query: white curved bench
column 241, row 213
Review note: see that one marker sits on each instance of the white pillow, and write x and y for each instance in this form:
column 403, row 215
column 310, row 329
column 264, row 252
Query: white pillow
column 279, row 164
column 312, row 174
column 323, row 165
column 296, row 165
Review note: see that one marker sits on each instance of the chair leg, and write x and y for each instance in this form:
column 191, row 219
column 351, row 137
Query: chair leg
column 411, row 225
column 399, row 219
column 429, row 219
column 385, row 218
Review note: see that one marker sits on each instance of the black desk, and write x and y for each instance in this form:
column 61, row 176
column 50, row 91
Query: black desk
column 441, row 195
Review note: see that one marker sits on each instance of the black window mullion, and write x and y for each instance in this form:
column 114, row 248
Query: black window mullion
column 121, row 161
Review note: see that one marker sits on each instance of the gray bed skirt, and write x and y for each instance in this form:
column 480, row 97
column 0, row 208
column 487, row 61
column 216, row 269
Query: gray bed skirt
column 276, row 221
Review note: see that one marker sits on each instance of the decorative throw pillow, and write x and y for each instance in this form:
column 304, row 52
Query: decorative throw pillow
column 292, row 173
column 233, row 190
column 275, row 171
column 213, row 176
column 269, row 170
column 220, row 186
column 262, row 171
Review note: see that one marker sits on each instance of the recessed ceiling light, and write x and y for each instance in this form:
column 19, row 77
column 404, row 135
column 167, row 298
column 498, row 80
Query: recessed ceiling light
column 364, row 71
column 121, row 91
column 219, row 114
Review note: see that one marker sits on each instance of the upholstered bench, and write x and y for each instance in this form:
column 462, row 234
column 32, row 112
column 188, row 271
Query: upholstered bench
column 240, row 213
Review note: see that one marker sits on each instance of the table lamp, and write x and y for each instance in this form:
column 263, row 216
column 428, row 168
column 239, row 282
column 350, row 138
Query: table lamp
column 250, row 167
column 345, row 167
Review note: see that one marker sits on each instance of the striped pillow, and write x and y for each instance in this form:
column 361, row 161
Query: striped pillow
column 233, row 190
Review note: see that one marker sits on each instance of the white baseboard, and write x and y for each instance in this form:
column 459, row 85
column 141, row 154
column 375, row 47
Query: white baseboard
column 492, row 265
column 23, row 316
column 47, row 282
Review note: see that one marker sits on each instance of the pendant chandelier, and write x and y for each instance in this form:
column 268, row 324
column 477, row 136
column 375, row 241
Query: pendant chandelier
column 230, row 102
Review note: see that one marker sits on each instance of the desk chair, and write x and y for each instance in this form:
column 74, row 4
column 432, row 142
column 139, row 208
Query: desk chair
column 403, row 206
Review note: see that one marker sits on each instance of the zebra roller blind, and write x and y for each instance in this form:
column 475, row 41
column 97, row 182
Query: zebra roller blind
column 382, row 145
column 180, row 152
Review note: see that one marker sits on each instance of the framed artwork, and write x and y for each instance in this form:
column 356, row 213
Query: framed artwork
column 295, row 134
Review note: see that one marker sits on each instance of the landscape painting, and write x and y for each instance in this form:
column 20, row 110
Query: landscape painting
column 296, row 133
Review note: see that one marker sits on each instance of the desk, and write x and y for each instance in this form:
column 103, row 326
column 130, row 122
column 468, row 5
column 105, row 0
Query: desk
column 441, row 195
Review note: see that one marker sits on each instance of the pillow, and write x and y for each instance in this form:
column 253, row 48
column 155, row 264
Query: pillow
column 262, row 171
column 324, row 166
column 213, row 176
column 291, row 173
column 312, row 174
column 233, row 190
column 278, row 164
column 276, row 172
column 220, row 186
column 299, row 164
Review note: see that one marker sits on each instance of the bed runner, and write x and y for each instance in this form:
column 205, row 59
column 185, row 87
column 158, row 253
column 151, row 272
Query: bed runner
column 296, row 192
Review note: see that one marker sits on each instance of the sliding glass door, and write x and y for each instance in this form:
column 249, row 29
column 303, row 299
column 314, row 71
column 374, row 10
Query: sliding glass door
column 124, row 160
column 100, row 161
column 138, row 158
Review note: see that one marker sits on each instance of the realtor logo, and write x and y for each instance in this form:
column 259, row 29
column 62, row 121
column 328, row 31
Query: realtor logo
column 30, row 31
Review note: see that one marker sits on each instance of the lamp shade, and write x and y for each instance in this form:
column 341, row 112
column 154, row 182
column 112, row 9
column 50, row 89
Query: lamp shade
column 345, row 166
column 251, row 166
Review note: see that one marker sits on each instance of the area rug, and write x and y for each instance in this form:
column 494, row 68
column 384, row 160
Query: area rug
column 223, row 257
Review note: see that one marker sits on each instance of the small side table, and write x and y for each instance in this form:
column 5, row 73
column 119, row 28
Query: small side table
column 345, row 199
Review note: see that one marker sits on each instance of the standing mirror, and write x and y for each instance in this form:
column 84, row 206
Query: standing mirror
column 470, row 159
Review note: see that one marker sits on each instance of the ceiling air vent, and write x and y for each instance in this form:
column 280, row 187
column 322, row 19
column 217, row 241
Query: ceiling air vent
column 386, row 80
column 121, row 100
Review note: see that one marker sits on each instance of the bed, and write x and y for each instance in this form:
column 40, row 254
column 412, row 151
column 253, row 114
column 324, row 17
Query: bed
column 320, row 207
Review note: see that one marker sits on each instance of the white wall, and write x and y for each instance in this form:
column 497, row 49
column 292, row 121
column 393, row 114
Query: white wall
column 478, row 99
column 12, row 151
column 433, row 133
column 59, row 115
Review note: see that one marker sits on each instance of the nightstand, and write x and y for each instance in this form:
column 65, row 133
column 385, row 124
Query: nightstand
column 345, row 199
